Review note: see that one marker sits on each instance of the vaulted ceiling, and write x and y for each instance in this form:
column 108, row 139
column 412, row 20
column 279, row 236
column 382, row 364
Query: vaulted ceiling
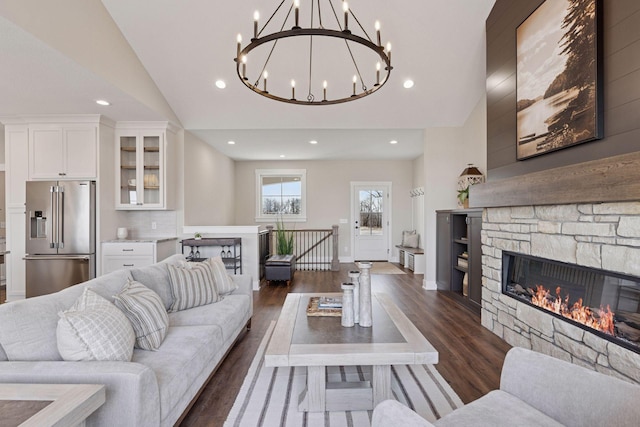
column 185, row 46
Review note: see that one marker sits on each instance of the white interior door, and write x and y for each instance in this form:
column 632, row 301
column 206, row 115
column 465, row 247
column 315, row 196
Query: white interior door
column 371, row 221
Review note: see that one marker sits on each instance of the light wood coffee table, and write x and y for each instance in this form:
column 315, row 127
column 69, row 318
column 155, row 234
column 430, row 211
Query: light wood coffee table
column 51, row 405
column 318, row 342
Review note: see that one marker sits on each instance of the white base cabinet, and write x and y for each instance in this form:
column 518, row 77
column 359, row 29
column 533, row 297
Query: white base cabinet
column 125, row 255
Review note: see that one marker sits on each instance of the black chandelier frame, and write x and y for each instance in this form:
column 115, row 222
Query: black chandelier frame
column 296, row 31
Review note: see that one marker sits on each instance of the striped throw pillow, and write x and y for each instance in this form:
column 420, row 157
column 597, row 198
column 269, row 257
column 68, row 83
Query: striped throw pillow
column 192, row 287
column 224, row 283
column 145, row 310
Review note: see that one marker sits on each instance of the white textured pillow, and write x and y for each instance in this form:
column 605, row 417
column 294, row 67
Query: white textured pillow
column 411, row 241
column 145, row 310
column 407, row 234
column 192, row 287
column 94, row 329
column 224, row 283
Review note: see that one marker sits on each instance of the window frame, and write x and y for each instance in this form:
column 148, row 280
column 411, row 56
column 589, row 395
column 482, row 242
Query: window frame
column 275, row 173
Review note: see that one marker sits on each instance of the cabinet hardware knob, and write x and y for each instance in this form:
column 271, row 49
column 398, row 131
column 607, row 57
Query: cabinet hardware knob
column 127, row 265
column 127, row 250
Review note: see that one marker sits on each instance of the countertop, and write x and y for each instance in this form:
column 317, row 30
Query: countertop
column 141, row 240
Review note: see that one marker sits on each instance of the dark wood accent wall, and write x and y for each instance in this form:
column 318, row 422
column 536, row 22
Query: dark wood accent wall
column 621, row 36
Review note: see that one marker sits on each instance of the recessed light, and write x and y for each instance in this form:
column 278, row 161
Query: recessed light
column 408, row 84
column 220, row 84
column 231, row 142
column 394, row 142
column 314, row 142
column 102, row 102
column 282, row 156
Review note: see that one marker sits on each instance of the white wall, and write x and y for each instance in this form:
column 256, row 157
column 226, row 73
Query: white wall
column 447, row 151
column 85, row 32
column 329, row 193
column 209, row 184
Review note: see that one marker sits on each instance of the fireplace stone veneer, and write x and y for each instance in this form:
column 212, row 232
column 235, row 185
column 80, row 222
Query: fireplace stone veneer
column 604, row 236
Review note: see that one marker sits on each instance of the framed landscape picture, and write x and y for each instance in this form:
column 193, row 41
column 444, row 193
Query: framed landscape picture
column 559, row 73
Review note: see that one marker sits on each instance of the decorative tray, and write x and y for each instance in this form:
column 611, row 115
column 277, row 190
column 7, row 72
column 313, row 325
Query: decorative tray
column 313, row 310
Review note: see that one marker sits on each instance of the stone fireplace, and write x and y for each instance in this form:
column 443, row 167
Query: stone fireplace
column 602, row 236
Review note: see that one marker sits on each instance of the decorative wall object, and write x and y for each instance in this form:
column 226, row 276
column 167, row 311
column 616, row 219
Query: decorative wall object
column 559, row 77
column 470, row 175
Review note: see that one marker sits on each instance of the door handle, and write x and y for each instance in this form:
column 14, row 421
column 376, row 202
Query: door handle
column 52, row 224
column 60, row 217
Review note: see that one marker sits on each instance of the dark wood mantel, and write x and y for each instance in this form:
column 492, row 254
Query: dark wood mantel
column 614, row 179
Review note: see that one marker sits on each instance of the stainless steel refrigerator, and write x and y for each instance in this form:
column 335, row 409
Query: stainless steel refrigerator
column 61, row 235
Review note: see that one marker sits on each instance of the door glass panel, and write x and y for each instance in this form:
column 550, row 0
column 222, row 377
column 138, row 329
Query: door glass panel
column 370, row 213
column 151, row 176
column 128, row 171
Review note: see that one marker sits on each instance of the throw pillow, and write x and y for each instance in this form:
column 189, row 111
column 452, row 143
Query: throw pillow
column 412, row 241
column 406, row 234
column 192, row 287
column 224, row 283
column 145, row 310
column 94, row 329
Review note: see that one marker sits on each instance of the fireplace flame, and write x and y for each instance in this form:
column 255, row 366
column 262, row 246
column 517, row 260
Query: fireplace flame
column 602, row 320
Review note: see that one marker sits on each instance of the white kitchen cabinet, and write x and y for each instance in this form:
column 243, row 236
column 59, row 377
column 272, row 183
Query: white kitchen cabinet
column 142, row 178
column 128, row 254
column 63, row 151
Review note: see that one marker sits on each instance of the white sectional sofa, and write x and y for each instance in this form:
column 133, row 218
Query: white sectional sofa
column 157, row 387
column 535, row 390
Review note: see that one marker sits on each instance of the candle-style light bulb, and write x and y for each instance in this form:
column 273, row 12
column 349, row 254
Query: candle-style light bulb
column 264, row 76
column 244, row 67
column 296, row 7
column 355, row 80
column 345, row 8
column 239, row 38
column 377, row 74
column 293, row 89
column 324, row 90
column 377, row 25
column 256, row 18
column 389, row 51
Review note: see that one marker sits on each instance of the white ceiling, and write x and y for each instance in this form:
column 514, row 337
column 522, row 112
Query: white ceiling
column 187, row 45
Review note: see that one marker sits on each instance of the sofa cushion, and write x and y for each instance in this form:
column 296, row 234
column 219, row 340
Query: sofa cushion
column 224, row 283
column 185, row 357
column 192, row 287
column 94, row 329
column 496, row 409
column 29, row 326
column 229, row 315
column 145, row 312
column 156, row 278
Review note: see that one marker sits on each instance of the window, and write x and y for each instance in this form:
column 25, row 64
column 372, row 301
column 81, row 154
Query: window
column 281, row 194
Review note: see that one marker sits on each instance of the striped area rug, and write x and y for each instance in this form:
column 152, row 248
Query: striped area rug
column 269, row 396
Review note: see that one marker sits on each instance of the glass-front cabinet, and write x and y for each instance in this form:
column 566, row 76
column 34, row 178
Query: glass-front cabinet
column 141, row 171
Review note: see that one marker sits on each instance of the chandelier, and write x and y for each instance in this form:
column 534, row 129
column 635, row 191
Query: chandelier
column 323, row 55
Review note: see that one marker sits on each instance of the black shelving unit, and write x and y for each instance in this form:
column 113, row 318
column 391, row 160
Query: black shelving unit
column 459, row 254
column 233, row 252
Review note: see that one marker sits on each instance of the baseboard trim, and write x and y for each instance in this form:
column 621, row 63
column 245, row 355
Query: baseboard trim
column 429, row 285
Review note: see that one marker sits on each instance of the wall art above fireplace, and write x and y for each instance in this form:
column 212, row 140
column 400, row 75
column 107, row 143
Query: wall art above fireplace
column 559, row 77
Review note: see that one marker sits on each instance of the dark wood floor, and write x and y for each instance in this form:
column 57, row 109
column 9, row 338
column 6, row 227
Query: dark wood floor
column 471, row 357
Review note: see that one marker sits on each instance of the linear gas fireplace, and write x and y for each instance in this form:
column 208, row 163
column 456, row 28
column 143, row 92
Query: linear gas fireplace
column 602, row 302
